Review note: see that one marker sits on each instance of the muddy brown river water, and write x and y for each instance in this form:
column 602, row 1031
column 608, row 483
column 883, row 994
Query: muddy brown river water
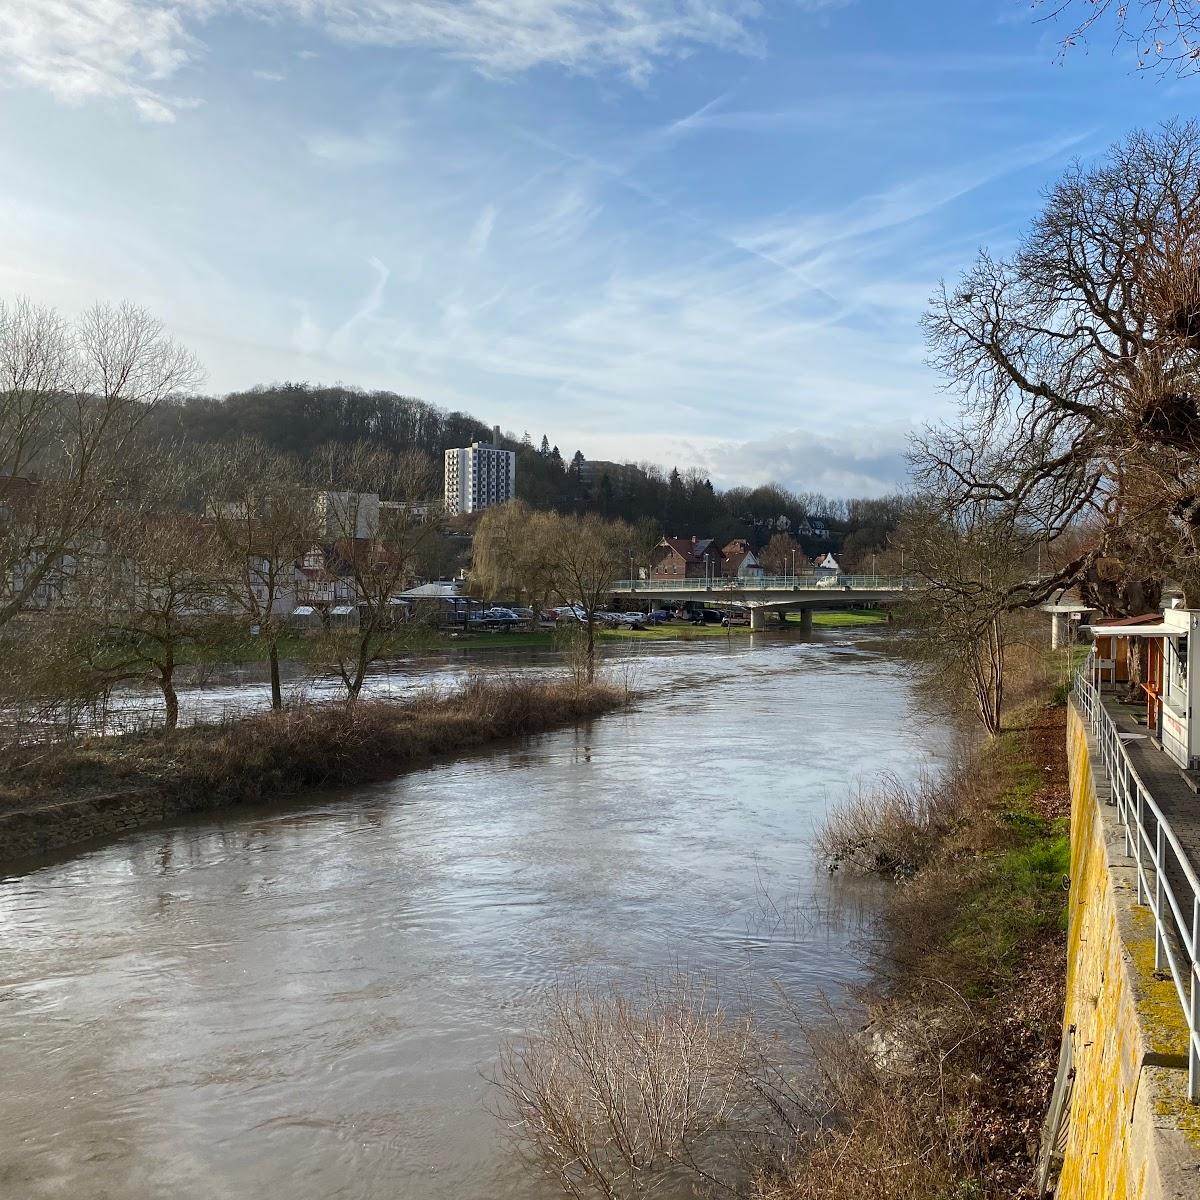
column 301, row 1001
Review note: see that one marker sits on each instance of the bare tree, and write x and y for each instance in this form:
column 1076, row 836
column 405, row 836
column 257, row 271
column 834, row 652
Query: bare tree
column 380, row 524
column 148, row 588
column 781, row 553
column 72, row 397
column 588, row 554
column 971, row 561
column 1078, row 362
column 264, row 519
column 1165, row 34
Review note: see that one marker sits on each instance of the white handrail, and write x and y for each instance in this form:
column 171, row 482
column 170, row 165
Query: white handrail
column 720, row 585
column 1157, row 854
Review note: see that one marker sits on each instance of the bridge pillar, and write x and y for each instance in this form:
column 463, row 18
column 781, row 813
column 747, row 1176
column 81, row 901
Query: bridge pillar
column 806, row 620
column 758, row 618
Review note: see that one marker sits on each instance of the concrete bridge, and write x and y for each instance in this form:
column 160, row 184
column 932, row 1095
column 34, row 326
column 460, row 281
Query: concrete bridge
column 779, row 594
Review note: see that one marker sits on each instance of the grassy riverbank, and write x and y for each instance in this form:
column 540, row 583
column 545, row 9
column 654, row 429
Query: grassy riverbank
column 296, row 647
column 51, row 796
column 948, row 1095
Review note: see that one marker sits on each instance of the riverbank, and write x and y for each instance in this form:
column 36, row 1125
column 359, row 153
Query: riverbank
column 52, row 797
column 947, row 1092
column 295, row 647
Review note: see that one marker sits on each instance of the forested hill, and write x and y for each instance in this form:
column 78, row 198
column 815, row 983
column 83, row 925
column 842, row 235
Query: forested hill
column 299, row 418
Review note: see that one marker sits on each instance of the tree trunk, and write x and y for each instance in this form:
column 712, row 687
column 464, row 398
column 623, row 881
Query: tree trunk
column 276, row 690
column 590, row 657
column 361, row 662
column 166, row 682
column 987, row 674
column 1136, row 667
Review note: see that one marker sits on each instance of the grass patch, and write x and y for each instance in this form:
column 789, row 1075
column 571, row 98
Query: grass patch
column 843, row 620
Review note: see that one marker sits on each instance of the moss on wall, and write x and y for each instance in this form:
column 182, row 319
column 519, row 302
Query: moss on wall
column 1120, row 1012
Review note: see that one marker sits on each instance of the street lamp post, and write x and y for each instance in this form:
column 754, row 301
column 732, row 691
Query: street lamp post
column 793, row 568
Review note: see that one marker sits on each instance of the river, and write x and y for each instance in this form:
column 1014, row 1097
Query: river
column 300, row 1001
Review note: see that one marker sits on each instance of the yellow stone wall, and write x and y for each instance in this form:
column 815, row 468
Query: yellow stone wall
column 1123, row 1111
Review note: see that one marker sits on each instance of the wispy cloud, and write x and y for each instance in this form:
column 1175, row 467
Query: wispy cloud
column 130, row 49
column 481, row 232
column 351, row 150
column 79, row 50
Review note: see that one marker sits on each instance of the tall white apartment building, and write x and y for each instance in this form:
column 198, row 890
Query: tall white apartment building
column 480, row 475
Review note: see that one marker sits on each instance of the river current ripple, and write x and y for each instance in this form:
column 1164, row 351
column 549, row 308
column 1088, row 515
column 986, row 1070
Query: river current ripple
column 302, row 1001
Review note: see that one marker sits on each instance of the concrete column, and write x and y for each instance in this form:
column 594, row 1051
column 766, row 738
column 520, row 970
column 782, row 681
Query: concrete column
column 806, row 620
column 1058, row 630
column 758, row 618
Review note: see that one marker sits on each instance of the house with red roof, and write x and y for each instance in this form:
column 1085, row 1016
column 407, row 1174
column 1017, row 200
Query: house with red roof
column 687, row 558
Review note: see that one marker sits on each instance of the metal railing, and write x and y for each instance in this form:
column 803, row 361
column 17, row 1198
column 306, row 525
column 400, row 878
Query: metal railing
column 1163, row 867
column 769, row 583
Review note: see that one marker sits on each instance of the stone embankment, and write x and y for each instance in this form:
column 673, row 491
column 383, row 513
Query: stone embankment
column 1129, row 1132
column 29, row 833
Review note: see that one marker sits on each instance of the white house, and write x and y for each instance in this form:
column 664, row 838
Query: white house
column 740, row 561
column 827, row 565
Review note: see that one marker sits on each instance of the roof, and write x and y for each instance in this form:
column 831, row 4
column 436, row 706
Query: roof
column 693, row 549
column 1146, row 625
column 1149, row 629
column 434, row 591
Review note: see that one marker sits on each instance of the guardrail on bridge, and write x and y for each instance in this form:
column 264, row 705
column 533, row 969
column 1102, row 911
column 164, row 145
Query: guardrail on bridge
column 1158, row 855
column 769, row 583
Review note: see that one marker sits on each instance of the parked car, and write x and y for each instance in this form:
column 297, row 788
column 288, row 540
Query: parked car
column 610, row 618
column 736, row 616
column 497, row 618
column 660, row 616
column 707, row 616
column 568, row 612
column 635, row 620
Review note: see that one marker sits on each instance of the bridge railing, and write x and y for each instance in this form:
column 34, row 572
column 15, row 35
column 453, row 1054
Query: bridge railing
column 769, row 583
column 1166, row 878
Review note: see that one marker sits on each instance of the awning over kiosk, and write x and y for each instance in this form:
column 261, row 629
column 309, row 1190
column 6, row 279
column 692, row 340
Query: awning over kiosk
column 1156, row 630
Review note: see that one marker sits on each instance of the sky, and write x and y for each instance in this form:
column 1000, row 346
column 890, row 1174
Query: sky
column 699, row 232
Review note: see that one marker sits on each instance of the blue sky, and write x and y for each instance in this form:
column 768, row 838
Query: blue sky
column 693, row 231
